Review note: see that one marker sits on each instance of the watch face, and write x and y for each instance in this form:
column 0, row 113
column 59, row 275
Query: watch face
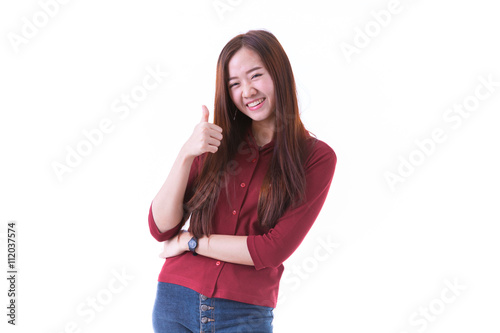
column 191, row 244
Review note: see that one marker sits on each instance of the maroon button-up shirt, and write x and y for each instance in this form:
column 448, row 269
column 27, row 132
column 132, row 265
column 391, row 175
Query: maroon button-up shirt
column 237, row 215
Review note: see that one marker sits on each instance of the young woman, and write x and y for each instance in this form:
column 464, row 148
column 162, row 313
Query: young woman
column 252, row 183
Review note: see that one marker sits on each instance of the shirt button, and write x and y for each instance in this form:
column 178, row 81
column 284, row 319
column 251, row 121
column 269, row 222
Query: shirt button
column 217, row 263
column 242, row 184
column 234, row 212
column 254, row 160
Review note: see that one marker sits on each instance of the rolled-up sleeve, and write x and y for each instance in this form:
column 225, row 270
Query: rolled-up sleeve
column 153, row 228
column 271, row 249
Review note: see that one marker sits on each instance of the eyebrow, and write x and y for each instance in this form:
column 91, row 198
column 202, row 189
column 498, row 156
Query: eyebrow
column 251, row 70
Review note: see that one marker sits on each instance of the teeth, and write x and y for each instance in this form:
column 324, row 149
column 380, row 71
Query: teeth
column 256, row 103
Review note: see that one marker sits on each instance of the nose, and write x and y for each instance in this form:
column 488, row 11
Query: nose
column 248, row 90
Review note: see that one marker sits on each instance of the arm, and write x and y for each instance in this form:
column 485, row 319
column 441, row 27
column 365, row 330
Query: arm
column 274, row 247
column 167, row 208
column 227, row 248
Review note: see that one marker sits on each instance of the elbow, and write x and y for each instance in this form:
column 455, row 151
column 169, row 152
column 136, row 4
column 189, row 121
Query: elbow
column 277, row 258
column 159, row 235
column 163, row 236
column 266, row 256
column 272, row 262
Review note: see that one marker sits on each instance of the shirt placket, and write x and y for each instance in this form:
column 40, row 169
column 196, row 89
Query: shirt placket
column 248, row 162
column 242, row 181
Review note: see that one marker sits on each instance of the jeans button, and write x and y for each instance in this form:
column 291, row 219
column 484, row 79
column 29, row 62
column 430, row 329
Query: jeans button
column 204, row 307
column 203, row 297
column 204, row 320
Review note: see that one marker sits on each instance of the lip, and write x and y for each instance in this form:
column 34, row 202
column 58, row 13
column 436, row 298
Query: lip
column 258, row 106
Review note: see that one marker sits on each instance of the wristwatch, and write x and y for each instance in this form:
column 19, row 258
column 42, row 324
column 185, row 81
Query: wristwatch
column 192, row 244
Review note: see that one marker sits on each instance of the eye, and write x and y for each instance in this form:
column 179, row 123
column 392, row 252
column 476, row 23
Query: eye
column 256, row 75
column 232, row 85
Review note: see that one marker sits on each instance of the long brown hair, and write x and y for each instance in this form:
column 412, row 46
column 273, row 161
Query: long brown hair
column 284, row 182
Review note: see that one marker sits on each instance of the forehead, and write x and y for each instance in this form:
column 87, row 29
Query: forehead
column 242, row 61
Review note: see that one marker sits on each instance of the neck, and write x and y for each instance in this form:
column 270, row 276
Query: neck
column 262, row 132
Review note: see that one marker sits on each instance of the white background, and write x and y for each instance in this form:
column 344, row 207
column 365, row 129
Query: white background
column 396, row 248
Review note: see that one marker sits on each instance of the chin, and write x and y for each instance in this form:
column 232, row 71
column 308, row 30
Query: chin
column 256, row 117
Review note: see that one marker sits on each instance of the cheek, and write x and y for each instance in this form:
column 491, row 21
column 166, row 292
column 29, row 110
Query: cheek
column 232, row 96
column 269, row 87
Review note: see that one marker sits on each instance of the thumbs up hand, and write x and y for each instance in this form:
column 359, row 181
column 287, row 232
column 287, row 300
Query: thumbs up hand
column 204, row 114
column 206, row 137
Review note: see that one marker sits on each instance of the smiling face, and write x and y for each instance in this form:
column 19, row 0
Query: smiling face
column 251, row 87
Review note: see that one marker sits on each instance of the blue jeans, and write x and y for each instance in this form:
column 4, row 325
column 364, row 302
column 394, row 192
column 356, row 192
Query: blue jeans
column 178, row 309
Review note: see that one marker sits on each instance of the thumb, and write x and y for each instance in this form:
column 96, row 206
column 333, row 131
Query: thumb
column 204, row 117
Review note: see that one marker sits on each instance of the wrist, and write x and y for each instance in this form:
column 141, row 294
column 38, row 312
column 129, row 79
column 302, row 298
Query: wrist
column 184, row 156
column 184, row 240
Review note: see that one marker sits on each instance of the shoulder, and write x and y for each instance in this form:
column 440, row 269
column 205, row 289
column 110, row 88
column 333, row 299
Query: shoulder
column 319, row 152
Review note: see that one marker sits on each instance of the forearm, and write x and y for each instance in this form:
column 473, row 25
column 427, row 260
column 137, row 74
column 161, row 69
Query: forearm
column 226, row 248
column 167, row 205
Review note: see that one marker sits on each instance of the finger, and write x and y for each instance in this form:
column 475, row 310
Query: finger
column 212, row 149
column 215, row 135
column 213, row 142
column 205, row 114
column 215, row 127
